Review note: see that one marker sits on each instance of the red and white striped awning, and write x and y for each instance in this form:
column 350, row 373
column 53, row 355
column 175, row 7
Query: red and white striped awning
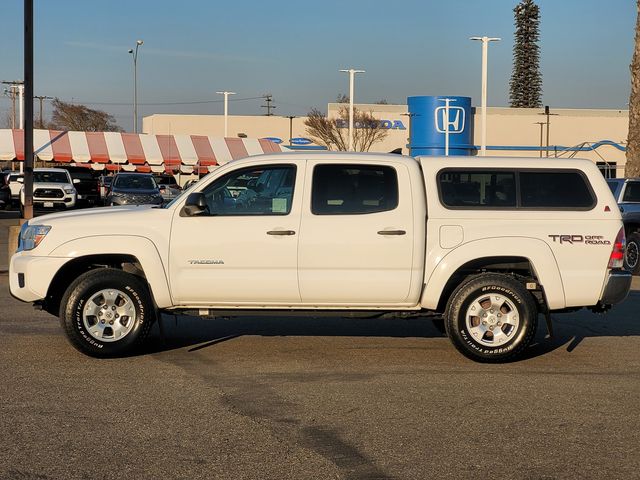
column 134, row 152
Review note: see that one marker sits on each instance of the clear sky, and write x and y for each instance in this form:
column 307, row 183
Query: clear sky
column 294, row 49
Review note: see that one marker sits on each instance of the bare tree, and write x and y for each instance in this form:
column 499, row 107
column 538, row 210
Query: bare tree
column 69, row 116
column 6, row 120
column 632, row 168
column 333, row 133
column 342, row 98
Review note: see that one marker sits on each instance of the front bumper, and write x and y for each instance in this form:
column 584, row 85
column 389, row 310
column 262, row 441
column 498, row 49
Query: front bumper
column 30, row 277
column 68, row 201
column 617, row 287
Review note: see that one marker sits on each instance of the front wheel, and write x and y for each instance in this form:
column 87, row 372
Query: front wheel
column 106, row 312
column 491, row 318
column 632, row 254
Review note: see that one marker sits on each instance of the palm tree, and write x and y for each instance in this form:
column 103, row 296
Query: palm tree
column 632, row 168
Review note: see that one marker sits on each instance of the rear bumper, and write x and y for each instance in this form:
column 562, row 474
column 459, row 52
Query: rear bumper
column 617, row 287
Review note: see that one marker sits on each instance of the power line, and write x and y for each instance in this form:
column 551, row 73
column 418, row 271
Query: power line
column 168, row 103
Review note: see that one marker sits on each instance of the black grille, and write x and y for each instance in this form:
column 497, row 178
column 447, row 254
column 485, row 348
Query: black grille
column 48, row 193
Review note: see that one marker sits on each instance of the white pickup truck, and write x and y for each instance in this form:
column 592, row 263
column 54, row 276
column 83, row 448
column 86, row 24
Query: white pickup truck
column 490, row 243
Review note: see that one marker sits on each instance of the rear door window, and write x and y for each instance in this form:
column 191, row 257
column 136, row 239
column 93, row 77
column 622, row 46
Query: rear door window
column 353, row 189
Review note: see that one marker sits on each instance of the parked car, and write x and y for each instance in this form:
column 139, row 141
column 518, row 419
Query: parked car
column 134, row 189
column 104, row 185
column 626, row 191
column 169, row 188
column 52, row 189
column 86, row 184
column 5, row 194
column 14, row 182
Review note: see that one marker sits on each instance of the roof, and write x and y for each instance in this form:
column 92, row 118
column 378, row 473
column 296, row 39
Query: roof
column 117, row 151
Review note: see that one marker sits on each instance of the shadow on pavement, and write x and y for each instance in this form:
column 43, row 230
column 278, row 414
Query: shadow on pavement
column 569, row 329
column 198, row 333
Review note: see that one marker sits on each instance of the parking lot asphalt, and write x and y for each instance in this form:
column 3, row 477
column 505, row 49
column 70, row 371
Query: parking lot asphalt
column 319, row 398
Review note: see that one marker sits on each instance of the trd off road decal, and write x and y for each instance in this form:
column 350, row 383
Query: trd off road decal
column 585, row 239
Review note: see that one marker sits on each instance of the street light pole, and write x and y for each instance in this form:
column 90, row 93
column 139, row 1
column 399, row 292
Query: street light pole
column 485, row 50
column 135, row 84
column 446, row 101
column 351, row 73
column 226, row 110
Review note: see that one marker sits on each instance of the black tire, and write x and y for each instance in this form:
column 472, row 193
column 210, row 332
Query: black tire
column 511, row 301
column 632, row 254
column 78, row 325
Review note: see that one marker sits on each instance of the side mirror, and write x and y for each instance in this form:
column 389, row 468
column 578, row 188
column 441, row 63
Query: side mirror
column 76, row 180
column 196, row 204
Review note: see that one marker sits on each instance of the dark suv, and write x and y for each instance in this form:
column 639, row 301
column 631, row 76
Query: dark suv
column 86, row 184
column 134, row 189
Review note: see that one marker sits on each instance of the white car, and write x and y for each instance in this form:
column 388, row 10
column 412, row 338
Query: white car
column 52, row 189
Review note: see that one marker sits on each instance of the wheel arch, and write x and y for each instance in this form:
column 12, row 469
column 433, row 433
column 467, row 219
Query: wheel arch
column 135, row 255
column 500, row 255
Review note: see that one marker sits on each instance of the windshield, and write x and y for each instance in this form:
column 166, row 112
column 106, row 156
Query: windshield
column 86, row 176
column 136, row 182
column 50, row 177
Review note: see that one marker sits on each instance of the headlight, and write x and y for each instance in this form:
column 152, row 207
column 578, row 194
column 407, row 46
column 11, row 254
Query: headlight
column 70, row 191
column 31, row 236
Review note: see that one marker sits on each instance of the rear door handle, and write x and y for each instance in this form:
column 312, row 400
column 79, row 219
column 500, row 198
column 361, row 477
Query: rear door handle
column 281, row 232
column 392, row 232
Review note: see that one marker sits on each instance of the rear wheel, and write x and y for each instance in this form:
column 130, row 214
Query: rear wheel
column 106, row 312
column 632, row 254
column 491, row 318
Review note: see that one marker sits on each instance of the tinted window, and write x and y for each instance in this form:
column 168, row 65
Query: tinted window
column 134, row 182
column 353, row 189
column 632, row 192
column 254, row 191
column 478, row 188
column 86, row 176
column 554, row 189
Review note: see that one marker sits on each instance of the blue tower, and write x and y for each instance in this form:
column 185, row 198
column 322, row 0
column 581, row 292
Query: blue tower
column 429, row 124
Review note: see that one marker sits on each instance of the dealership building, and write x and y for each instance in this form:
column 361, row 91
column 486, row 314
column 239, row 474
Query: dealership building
column 426, row 125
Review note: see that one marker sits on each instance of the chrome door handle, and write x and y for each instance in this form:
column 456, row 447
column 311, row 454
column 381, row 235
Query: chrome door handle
column 281, row 232
column 392, row 232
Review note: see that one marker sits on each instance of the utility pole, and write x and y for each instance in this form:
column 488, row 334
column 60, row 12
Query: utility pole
column 269, row 99
column 28, row 126
column 42, row 98
column 290, row 117
column 16, row 88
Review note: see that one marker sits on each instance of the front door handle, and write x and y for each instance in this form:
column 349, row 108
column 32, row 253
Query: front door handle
column 281, row 232
column 392, row 232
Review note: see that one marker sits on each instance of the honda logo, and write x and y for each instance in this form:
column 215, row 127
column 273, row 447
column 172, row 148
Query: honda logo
column 455, row 122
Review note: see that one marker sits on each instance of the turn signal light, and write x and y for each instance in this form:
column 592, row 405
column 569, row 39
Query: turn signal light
column 616, row 259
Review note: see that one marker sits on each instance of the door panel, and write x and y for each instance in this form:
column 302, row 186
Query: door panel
column 357, row 235
column 244, row 251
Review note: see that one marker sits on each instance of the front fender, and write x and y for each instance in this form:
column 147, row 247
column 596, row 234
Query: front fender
column 536, row 251
column 140, row 247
